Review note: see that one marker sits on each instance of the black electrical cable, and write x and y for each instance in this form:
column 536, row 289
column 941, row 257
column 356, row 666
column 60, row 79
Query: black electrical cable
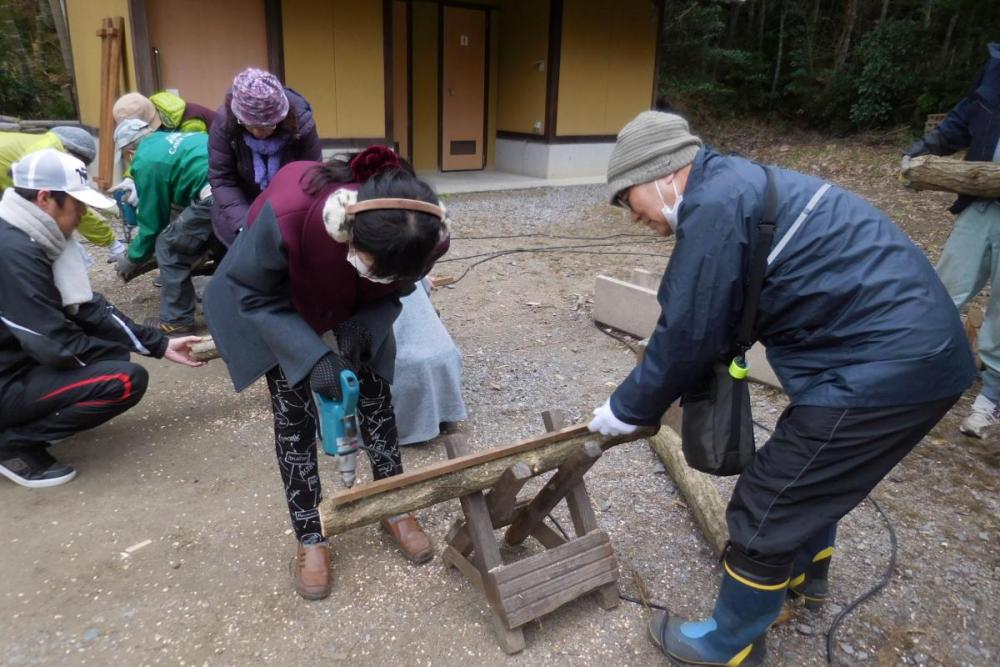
column 544, row 248
column 548, row 236
column 883, row 582
column 558, row 526
column 502, row 253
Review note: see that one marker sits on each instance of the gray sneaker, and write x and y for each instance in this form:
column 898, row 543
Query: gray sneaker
column 984, row 414
column 32, row 466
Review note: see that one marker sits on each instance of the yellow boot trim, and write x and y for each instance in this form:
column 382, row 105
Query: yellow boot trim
column 755, row 585
column 825, row 553
column 738, row 659
column 797, row 581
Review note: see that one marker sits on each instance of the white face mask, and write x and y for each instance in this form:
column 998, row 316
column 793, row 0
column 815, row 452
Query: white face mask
column 363, row 269
column 670, row 213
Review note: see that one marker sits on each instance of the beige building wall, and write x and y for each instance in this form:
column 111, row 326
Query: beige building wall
column 84, row 20
column 523, row 65
column 607, row 60
column 333, row 56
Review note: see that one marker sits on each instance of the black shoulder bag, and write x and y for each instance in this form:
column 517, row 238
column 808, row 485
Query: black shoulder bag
column 717, row 427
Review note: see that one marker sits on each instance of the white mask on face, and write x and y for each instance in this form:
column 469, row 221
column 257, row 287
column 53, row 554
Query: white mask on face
column 363, row 269
column 670, row 213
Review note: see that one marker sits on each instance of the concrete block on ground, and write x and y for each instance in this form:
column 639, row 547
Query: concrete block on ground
column 625, row 306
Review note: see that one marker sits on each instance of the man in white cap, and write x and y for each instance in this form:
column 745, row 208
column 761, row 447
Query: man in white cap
column 858, row 328
column 64, row 349
column 75, row 141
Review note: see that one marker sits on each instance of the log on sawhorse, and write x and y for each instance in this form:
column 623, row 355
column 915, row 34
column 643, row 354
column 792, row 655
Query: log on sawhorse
column 446, row 480
column 522, row 591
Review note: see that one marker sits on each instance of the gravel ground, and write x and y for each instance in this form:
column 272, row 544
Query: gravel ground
column 191, row 470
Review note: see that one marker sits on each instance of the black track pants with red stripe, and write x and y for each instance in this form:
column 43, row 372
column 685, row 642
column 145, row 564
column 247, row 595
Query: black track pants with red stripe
column 47, row 404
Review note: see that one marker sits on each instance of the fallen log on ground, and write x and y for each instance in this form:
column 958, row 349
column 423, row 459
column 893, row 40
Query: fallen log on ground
column 457, row 477
column 699, row 492
column 944, row 174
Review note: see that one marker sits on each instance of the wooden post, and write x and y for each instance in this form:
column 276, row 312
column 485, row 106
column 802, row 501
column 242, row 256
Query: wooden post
column 112, row 33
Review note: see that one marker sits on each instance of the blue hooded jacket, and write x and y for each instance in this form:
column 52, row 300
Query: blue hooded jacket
column 851, row 312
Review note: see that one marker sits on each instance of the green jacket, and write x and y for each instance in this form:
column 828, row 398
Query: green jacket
column 169, row 168
column 15, row 145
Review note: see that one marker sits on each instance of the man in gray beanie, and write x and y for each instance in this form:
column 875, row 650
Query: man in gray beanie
column 855, row 321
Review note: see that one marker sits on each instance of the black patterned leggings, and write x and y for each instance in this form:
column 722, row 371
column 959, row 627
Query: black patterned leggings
column 295, row 443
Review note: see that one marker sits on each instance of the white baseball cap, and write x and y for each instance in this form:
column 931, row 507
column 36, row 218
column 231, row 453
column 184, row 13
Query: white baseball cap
column 51, row 170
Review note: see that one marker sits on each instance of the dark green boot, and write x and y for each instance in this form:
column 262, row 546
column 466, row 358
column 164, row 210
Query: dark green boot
column 750, row 597
column 811, row 571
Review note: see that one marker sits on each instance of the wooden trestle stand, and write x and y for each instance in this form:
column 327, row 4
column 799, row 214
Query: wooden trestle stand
column 522, row 591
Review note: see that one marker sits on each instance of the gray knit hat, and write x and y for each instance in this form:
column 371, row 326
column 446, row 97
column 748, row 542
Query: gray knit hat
column 77, row 141
column 651, row 146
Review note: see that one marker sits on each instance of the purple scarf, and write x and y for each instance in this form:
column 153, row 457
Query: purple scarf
column 266, row 156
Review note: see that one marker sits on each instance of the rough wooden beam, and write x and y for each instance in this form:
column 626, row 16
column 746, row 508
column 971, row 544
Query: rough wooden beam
column 443, row 481
column 697, row 487
column 931, row 172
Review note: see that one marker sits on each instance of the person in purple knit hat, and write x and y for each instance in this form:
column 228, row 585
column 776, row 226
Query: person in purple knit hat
column 261, row 127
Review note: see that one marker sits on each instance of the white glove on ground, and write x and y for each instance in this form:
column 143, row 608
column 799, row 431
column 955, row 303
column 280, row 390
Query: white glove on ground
column 605, row 422
column 128, row 187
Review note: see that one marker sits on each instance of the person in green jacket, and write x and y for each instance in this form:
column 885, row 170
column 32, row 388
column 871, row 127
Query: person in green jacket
column 75, row 141
column 169, row 169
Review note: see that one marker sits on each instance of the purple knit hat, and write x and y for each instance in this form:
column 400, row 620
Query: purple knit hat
column 258, row 98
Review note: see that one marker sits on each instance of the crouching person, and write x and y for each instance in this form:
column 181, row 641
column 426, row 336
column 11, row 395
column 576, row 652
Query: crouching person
column 326, row 252
column 64, row 350
column 169, row 170
column 858, row 328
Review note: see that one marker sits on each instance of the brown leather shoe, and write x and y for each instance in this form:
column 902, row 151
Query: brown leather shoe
column 412, row 539
column 312, row 571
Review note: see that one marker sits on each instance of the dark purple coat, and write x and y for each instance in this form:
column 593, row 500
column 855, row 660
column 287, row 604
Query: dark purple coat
column 230, row 163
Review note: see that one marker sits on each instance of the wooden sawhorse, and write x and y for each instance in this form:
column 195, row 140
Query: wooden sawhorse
column 524, row 590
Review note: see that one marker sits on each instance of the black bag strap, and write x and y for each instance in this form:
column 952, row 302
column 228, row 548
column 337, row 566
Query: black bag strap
column 758, row 265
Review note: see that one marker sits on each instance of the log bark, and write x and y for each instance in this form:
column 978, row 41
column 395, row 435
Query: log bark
column 205, row 350
column 700, row 493
column 930, row 172
column 455, row 478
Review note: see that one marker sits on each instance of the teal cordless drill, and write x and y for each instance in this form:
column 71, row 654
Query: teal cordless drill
column 338, row 426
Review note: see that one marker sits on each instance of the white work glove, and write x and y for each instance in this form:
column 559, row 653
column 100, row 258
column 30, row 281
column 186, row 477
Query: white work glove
column 116, row 250
column 128, row 187
column 605, row 422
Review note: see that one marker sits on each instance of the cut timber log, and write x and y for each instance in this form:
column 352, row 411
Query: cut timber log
column 700, row 493
column 205, row 350
column 457, row 477
column 930, row 172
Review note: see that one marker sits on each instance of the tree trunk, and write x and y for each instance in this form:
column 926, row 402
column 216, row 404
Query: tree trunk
column 885, row 12
column 946, row 44
column 734, row 20
column 760, row 30
column 781, row 48
column 59, row 19
column 928, row 5
column 844, row 42
column 811, row 31
column 944, row 174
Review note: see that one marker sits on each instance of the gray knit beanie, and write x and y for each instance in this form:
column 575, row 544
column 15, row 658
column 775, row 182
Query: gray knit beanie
column 77, row 141
column 651, row 146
